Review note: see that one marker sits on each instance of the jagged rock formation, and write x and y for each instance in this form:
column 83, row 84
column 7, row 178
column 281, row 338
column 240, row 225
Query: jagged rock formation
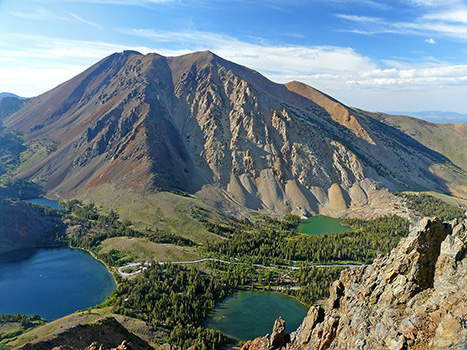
column 109, row 333
column 277, row 340
column 208, row 126
column 96, row 346
column 413, row 298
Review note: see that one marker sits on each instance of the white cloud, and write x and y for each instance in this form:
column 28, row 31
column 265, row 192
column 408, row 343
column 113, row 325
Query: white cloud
column 339, row 71
column 28, row 82
column 437, row 17
column 362, row 19
column 40, row 14
column 31, row 65
column 85, row 21
column 430, row 41
column 454, row 15
column 268, row 58
column 435, row 3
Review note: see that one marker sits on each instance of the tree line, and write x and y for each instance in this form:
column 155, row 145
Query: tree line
column 177, row 297
column 270, row 243
column 428, row 205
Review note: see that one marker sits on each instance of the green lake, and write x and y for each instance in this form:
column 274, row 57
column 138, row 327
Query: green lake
column 317, row 225
column 250, row 314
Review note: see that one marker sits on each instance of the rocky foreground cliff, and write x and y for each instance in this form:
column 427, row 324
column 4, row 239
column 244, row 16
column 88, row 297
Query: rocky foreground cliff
column 413, row 298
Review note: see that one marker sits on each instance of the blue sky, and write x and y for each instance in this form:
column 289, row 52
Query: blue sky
column 408, row 55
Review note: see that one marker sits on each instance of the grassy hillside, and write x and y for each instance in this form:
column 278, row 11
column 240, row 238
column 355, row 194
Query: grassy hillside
column 448, row 139
column 139, row 249
column 166, row 211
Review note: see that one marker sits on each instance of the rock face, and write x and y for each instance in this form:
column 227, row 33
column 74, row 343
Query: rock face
column 96, row 346
column 208, row 126
column 413, row 298
column 277, row 340
column 110, row 335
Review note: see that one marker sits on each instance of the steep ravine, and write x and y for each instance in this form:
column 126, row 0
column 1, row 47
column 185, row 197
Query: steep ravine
column 413, row 298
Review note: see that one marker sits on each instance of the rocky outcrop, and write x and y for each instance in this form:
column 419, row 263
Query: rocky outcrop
column 97, row 346
column 277, row 339
column 123, row 346
column 413, row 298
column 106, row 334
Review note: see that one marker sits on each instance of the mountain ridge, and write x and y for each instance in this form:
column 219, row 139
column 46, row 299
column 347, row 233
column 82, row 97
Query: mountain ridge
column 441, row 117
column 224, row 132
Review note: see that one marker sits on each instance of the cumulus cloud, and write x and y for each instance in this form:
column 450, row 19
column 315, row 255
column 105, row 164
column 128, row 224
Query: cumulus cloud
column 268, row 58
column 430, row 41
column 340, row 71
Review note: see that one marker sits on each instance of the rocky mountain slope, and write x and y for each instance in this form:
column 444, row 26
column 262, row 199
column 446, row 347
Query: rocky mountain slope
column 210, row 127
column 413, row 298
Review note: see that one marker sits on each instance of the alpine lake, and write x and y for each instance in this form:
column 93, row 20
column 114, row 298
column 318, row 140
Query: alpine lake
column 250, row 314
column 320, row 224
column 52, row 282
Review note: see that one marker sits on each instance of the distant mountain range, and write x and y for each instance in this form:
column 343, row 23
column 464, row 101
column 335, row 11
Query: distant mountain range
column 204, row 125
column 436, row 116
column 8, row 94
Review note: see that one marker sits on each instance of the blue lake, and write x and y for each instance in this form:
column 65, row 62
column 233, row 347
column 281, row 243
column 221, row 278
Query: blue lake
column 44, row 201
column 52, row 282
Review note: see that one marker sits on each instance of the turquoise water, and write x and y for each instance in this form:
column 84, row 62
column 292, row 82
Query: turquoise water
column 44, row 201
column 250, row 314
column 52, row 282
column 317, row 225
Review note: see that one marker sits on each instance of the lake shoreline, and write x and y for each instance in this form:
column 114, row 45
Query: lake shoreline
column 102, row 262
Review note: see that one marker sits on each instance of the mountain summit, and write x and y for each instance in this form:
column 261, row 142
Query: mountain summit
column 207, row 126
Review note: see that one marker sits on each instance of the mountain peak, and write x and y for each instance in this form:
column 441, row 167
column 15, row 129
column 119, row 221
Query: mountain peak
column 131, row 52
column 200, row 123
column 8, row 94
